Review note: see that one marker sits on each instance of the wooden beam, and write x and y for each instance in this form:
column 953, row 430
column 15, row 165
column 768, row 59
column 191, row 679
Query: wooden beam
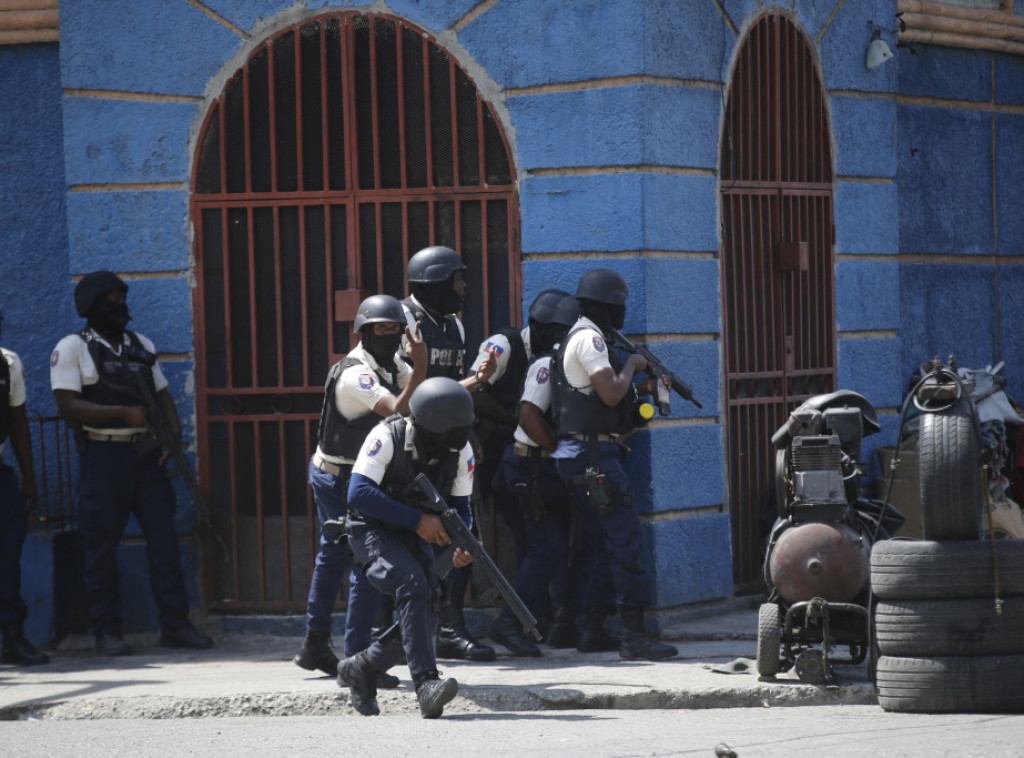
column 28, row 36
column 954, row 11
column 925, row 37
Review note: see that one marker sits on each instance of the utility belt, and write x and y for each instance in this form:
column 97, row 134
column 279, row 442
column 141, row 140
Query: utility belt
column 598, row 437
column 601, row 493
column 526, row 451
column 329, row 467
column 131, row 439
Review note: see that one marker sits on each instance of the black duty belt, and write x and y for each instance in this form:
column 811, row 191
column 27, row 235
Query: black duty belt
column 100, row 437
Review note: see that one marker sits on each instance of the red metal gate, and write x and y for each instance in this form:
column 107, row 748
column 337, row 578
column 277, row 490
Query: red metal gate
column 777, row 263
column 341, row 147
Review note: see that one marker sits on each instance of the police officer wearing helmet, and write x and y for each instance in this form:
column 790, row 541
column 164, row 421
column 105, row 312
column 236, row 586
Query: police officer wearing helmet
column 595, row 406
column 394, row 541
column 541, row 496
column 16, row 502
column 436, row 279
column 370, row 383
column 91, row 376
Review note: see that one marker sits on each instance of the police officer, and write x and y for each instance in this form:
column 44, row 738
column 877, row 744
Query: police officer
column 438, row 285
column 16, row 502
column 392, row 538
column 370, row 383
column 91, row 375
column 542, row 497
column 595, row 405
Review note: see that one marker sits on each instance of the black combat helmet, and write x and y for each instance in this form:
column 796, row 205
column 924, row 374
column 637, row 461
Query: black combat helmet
column 378, row 309
column 603, row 286
column 92, row 287
column 433, row 264
column 567, row 312
column 442, row 409
column 542, row 309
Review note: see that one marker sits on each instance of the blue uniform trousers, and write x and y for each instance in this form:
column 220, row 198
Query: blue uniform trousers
column 333, row 560
column 398, row 564
column 13, row 528
column 114, row 483
column 614, row 541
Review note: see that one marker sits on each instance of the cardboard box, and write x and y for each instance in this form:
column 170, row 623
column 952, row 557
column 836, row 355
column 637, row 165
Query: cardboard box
column 906, row 487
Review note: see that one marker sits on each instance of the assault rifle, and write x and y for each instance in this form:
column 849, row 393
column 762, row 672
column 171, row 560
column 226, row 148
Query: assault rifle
column 164, row 436
column 463, row 538
column 658, row 370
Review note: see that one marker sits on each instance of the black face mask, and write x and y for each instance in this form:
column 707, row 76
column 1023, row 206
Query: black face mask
column 604, row 315
column 382, row 347
column 440, row 296
column 544, row 337
column 438, row 444
column 109, row 318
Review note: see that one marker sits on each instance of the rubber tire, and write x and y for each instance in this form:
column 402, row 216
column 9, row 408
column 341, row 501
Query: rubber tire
column 914, row 628
column 953, row 684
column 925, row 570
column 952, row 492
column 769, row 639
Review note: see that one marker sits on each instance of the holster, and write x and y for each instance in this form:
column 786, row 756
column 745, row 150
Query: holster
column 531, row 492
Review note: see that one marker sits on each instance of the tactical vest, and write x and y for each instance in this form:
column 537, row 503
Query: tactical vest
column 5, row 399
column 575, row 412
column 506, row 391
column 446, row 350
column 115, row 385
column 339, row 436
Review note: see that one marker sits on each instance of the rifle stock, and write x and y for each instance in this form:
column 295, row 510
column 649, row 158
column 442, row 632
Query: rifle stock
column 463, row 539
column 658, row 369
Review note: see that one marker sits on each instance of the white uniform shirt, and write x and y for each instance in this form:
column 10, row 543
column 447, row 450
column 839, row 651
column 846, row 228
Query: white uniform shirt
column 72, row 368
column 585, row 354
column 502, row 351
column 17, row 372
column 379, row 449
column 537, row 391
column 359, row 389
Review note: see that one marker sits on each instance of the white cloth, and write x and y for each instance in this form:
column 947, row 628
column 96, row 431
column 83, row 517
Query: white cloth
column 536, row 391
column 378, row 450
column 502, row 348
column 17, row 389
column 585, row 354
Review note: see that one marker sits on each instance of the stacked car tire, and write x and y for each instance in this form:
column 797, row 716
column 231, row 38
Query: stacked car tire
column 949, row 613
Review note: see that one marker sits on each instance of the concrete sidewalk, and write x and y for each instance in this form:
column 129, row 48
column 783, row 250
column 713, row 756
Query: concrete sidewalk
column 247, row 674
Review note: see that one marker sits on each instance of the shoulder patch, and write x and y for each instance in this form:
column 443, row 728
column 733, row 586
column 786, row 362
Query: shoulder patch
column 542, row 375
column 366, row 381
column 470, row 464
column 374, row 447
column 54, row 358
column 494, row 347
column 598, row 343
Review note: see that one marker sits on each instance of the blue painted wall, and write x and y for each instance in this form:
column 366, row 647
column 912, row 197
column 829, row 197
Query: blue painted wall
column 612, row 111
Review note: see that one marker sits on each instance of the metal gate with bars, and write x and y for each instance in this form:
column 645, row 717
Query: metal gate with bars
column 778, row 287
column 342, row 146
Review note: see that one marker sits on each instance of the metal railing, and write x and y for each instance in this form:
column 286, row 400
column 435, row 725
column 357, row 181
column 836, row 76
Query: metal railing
column 52, row 449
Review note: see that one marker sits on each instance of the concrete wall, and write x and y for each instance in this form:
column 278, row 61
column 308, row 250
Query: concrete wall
column 613, row 112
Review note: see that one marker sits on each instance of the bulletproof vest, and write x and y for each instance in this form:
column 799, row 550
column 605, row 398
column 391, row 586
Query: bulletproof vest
column 5, row 399
column 340, row 436
column 406, row 464
column 575, row 412
column 446, row 349
column 116, row 385
column 508, row 389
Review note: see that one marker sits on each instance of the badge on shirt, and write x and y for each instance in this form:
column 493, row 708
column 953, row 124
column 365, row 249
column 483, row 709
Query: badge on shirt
column 542, row 375
column 54, row 358
column 366, row 381
column 598, row 344
column 494, row 348
column 470, row 465
column 374, row 447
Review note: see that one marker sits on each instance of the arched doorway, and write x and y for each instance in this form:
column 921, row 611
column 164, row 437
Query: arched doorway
column 343, row 145
column 778, row 288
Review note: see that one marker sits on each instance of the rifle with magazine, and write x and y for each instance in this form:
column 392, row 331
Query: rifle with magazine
column 658, row 369
column 463, row 539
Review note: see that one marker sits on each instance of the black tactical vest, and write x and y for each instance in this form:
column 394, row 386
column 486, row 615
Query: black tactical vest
column 339, row 436
column 446, row 350
column 116, row 385
column 508, row 389
column 579, row 413
column 5, row 399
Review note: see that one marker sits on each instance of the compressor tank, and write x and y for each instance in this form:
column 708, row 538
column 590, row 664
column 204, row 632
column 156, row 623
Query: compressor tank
column 815, row 559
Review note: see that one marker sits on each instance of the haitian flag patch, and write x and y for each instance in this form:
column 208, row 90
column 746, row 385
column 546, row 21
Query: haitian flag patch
column 496, row 349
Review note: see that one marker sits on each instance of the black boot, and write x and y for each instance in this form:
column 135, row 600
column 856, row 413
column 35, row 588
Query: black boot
column 17, row 649
column 564, row 632
column 593, row 637
column 316, row 653
column 434, row 693
column 507, row 631
column 359, row 675
column 454, row 640
column 638, row 643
